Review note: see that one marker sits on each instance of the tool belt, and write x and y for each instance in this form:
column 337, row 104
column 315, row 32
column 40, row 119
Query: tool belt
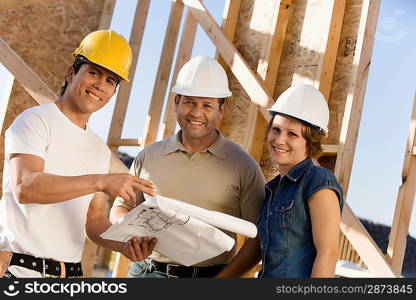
column 178, row 271
column 47, row 266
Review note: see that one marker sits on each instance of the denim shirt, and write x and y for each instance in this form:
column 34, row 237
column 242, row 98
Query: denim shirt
column 284, row 226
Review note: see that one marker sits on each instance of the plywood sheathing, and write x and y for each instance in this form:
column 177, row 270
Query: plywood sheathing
column 43, row 35
column 342, row 75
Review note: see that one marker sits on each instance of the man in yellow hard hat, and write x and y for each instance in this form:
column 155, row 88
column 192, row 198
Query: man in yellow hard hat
column 55, row 171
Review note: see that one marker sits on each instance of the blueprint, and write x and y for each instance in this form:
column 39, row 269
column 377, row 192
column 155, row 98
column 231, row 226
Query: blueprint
column 186, row 233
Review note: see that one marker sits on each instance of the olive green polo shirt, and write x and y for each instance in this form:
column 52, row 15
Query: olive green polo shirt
column 223, row 177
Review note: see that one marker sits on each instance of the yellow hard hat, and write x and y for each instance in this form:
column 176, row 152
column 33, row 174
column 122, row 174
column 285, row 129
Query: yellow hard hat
column 107, row 49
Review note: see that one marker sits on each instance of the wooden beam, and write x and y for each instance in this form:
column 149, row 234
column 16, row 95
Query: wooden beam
column 327, row 68
column 89, row 258
column 405, row 200
column 121, row 266
column 162, row 78
column 362, row 242
column 124, row 142
column 120, row 108
column 116, row 165
column 184, row 54
column 269, row 62
column 248, row 79
column 30, row 81
column 5, row 97
column 229, row 24
column 18, row 3
column 395, row 225
column 268, row 69
column 107, row 14
column 356, row 91
column 331, row 150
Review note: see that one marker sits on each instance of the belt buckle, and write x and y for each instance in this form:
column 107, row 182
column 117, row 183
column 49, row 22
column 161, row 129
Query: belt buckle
column 43, row 268
column 63, row 269
column 168, row 268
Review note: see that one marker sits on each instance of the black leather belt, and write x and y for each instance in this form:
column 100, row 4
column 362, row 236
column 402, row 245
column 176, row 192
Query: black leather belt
column 178, row 271
column 47, row 266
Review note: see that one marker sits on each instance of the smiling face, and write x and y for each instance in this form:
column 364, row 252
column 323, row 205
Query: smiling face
column 198, row 118
column 90, row 88
column 287, row 146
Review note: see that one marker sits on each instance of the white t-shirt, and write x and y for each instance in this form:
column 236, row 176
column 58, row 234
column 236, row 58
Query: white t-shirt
column 49, row 230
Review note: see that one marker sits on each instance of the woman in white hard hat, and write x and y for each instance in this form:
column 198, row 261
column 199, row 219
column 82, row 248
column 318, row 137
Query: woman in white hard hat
column 298, row 228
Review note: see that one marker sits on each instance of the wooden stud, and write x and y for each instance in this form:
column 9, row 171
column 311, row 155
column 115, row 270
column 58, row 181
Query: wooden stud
column 121, row 266
column 344, row 250
column 356, row 91
column 107, row 14
column 5, row 101
column 349, row 252
column 329, row 150
column 18, row 3
column 184, row 54
column 268, row 68
column 229, row 24
column 395, row 224
column 116, row 165
column 30, row 81
column 350, row 225
column 89, row 258
column 120, row 108
column 343, row 243
column 124, row 142
column 269, row 63
column 405, row 200
column 162, row 78
column 327, row 68
column 248, row 79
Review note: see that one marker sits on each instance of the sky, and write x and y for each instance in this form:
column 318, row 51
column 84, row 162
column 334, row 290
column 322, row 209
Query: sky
column 376, row 173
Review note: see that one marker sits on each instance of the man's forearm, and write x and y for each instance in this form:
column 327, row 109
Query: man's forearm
column 45, row 188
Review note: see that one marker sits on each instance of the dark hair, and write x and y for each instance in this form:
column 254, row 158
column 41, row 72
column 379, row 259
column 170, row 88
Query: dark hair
column 313, row 136
column 76, row 66
column 79, row 61
column 221, row 101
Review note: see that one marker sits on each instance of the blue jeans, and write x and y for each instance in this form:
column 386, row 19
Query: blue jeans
column 144, row 269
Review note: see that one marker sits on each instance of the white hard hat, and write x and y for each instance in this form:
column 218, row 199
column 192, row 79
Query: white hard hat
column 304, row 102
column 202, row 76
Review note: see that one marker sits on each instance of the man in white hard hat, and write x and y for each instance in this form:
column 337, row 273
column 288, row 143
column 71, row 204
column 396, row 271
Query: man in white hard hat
column 54, row 164
column 198, row 166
